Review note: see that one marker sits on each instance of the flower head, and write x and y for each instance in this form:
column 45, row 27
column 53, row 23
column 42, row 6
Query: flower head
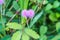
column 28, row 13
column 1, row 2
column 24, row 13
column 31, row 13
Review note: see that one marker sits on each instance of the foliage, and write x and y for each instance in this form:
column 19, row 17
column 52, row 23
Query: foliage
column 45, row 25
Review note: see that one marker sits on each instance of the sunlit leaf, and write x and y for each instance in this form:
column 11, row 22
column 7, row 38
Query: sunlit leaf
column 14, row 25
column 16, row 36
column 52, row 17
column 25, row 37
column 31, row 33
column 57, row 15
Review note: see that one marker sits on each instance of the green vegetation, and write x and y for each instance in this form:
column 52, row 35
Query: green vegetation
column 42, row 22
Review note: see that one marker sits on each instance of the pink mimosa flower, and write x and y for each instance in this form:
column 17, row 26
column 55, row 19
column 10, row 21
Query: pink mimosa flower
column 31, row 13
column 24, row 13
column 1, row 2
column 28, row 13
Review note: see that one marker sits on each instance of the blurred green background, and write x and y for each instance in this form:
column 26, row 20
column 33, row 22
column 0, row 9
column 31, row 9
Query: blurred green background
column 44, row 26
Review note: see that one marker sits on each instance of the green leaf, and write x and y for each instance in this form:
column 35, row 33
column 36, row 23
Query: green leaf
column 3, row 19
column 21, row 3
column 44, row 2
column 48, row 7
column 57, row 37
column 15, row 5
column 26, row 4
column 16, row 36
column 58, row 9
column 14, row 26
column 1, row 28
column 7, row 37
column 52, row 17
column 57, row 15
column 36, row 18
column 39, row 1
column 25, row 37
column 43, row 30
column 9, row 14
column 44, row 37
column 7, row 2
column 31, row 33
column 56, row 4
column 58, row 26
column 23, row 20
column 33, row 0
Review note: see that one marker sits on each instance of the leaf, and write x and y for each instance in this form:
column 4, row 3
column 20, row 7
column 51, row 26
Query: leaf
column 21, row 3
column 44, row 2
column 15, row 5
column 14, row 26
column 36, row 18
column 1, row 28
column 33, row 0
column 31, row 33
column 7, row 29
column 57, row 15
column 58, row 26
column 52, row 17
column 9, row 14
column 3, row 19
column 56, row 4
column 25, row 37
column 7, row 3
column 39, row 1
column 26, row 4
column 16, row 36
column 58, row 9
column 7, row 37
column 48, row 7
column 57, row 37
column 44, row 37
column 43, row 30
column 23, row 20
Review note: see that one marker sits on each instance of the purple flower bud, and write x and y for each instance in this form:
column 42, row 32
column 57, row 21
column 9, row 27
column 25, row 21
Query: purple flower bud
column 28, row 13
column 1, row 2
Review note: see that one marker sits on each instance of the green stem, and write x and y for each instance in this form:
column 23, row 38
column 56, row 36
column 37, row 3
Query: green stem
column 3, row 25
column 44, row 21
column 27, row 23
